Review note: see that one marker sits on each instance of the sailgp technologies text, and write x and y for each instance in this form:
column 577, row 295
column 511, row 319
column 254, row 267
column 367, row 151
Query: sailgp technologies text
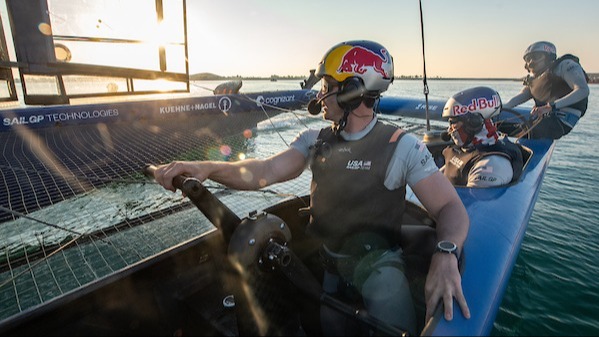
column 59, row 117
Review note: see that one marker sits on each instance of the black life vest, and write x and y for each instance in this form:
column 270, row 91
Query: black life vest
column 458, row 175
column 348, row 194
column 549, row 87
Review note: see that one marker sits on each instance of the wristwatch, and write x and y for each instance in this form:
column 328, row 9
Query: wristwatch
column 447, row 247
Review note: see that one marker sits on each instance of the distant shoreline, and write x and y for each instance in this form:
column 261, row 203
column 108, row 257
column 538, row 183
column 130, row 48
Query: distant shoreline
column 594, row 78
column 212, row 77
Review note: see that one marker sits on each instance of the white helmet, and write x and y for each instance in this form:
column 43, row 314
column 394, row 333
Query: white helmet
column 539, row 56
column 471, row 107
column 478, row 100
column 543, row 47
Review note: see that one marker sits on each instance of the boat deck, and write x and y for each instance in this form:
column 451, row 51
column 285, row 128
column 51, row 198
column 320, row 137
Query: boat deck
column 78, row 207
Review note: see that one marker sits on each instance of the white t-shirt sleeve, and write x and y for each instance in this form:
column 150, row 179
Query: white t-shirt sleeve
column 490, row 171
column 304, row 140
column 573, row 74
column 410, row 163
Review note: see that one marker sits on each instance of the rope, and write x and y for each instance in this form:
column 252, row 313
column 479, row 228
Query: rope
column 425, row 91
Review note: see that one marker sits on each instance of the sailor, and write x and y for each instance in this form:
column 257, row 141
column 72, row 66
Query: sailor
column 360, row 168
column 479, row 157
column 559, row 87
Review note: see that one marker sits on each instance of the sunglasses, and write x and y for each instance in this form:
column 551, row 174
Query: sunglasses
column 453, row 121
column 533, row 57
column 327, row 87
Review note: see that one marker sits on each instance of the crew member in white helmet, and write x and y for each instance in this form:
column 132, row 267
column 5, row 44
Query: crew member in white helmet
column 559, row 87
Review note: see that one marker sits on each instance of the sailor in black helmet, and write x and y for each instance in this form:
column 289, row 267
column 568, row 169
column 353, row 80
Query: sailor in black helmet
column 480, row 156
column 360, row 169
column 559, row 89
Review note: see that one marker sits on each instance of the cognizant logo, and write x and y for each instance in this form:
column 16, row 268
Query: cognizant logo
column 274, row 100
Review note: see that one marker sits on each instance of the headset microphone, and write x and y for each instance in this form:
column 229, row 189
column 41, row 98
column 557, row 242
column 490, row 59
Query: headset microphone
column 315, row 105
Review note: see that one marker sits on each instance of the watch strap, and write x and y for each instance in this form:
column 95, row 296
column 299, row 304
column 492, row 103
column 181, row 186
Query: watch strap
column 438, row 249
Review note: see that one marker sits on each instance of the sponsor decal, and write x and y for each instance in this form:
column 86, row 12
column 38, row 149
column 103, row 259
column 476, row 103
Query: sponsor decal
column 358, row 59
column 480, row 103
column 275, row 100
column 485, row 178
column 426, row 158
column 186, row 107
column 60, row 117
column 421, row 106
column 363, row 165
column 224, row 104
column 456, row 162
column 420, row 146
column 549, row 49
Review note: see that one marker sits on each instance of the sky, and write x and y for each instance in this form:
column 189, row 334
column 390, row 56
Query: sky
column 462, row 38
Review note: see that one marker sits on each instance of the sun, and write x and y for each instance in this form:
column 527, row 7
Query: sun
column 141, row 34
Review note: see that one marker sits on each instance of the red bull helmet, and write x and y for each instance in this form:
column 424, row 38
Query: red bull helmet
column 471, row 107
column 478, row 100
column 538, row 57
column 367, row 60
column 542, row 47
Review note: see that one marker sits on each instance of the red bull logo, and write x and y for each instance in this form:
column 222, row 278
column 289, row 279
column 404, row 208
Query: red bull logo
column 549, row 49
column 477, row 104
column 358, row 60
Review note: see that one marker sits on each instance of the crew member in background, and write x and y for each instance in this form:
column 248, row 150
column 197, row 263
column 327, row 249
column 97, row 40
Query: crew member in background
column 479, row 156
column 559, row 87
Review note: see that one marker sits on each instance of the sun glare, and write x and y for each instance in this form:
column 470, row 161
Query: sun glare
column 134, row 34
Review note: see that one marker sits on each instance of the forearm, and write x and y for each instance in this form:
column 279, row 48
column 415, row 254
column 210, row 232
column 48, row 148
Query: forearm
column 443, row 203
column 517, row 100
column 574, row 76
column 453, row 223
column 444, row 282
column 248, row 174
column 573, row 97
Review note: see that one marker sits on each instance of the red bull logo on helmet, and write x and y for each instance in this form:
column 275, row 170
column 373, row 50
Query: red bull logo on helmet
column 549, row 49
column 359, row 59
column 476, row 105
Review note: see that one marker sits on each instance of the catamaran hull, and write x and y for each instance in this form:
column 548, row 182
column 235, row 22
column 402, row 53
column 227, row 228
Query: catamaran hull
column 189, row 288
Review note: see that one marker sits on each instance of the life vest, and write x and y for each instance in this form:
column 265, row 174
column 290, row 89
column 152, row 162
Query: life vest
column 458, row 174
column 348, row 194
column 549, row 87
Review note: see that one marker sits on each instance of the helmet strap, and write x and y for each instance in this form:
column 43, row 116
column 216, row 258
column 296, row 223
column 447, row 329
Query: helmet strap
column 460, row 140
column 337, row 128
column 468, row 140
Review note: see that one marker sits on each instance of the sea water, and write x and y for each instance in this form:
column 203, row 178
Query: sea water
column 553, row 289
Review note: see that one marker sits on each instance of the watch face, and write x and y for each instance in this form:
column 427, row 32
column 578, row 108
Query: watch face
column 447, row 246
